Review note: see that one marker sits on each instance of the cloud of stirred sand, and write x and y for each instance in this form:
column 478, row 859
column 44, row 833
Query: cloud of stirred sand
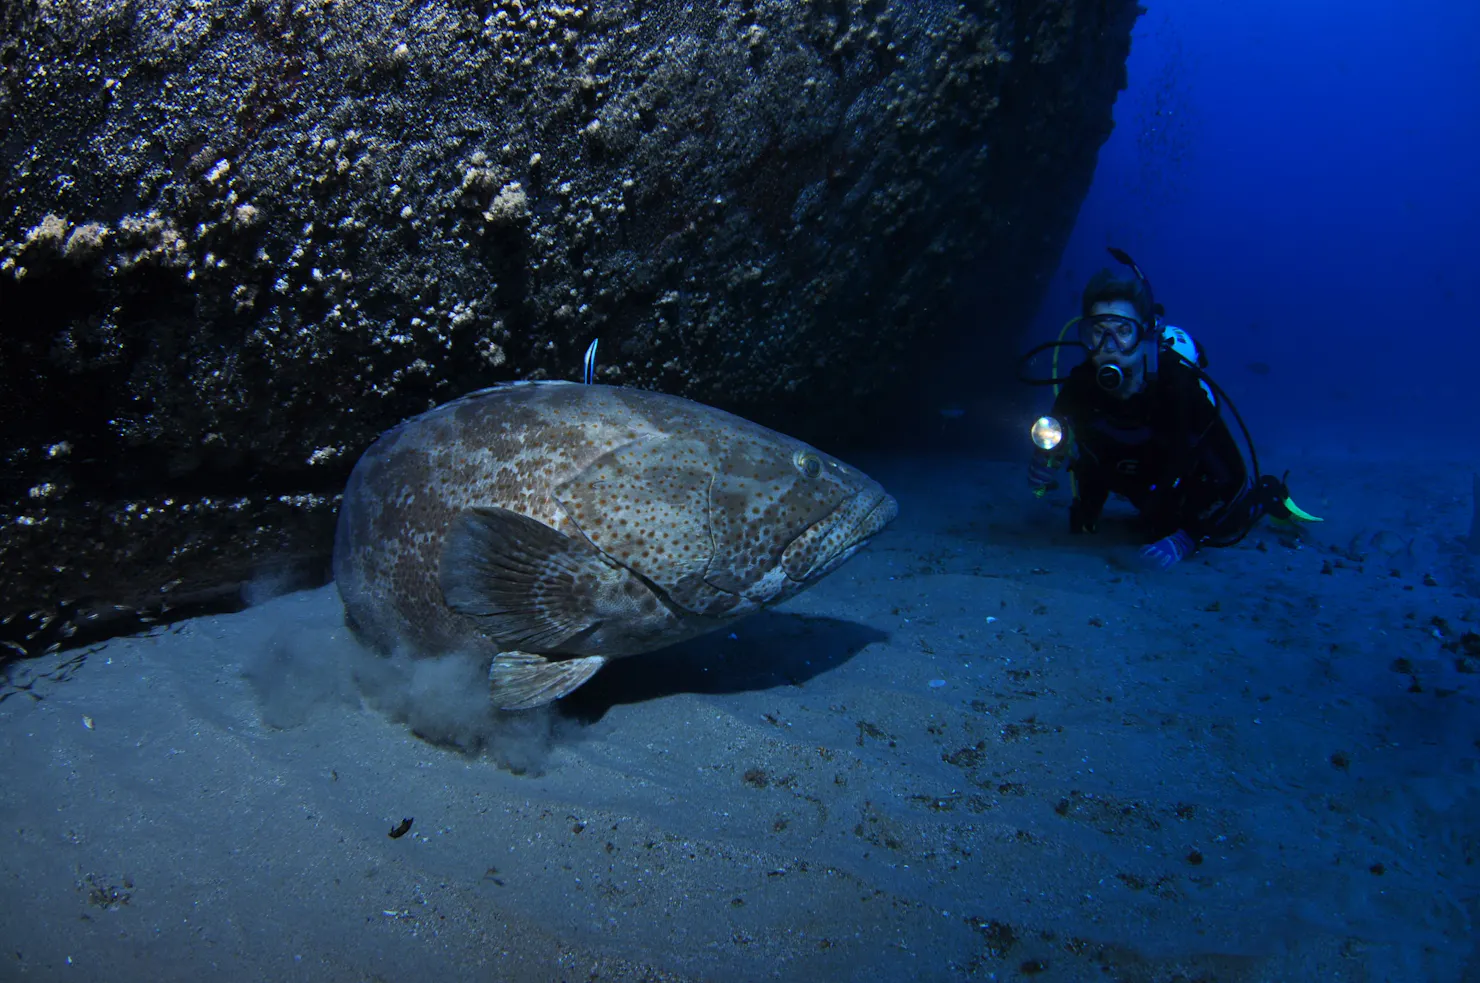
column 309, row 662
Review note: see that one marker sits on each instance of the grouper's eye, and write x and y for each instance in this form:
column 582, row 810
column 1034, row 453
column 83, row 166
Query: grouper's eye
column 807, row 463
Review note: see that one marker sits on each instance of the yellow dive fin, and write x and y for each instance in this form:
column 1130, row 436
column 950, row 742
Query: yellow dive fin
column 1296, row 512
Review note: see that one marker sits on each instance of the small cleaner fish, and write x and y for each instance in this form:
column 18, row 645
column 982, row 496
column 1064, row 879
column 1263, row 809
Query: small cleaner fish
column 556, row 526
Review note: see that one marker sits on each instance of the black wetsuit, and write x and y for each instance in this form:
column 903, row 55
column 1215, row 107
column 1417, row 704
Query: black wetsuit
column 1166, row 449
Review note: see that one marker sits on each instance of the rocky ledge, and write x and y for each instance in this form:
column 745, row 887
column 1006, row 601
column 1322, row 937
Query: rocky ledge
column 239, row 238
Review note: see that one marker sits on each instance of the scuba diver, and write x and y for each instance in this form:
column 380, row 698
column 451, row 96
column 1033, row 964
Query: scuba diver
column 1140, row 418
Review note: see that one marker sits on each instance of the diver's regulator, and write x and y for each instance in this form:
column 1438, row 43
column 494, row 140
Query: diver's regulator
column 1110, row 377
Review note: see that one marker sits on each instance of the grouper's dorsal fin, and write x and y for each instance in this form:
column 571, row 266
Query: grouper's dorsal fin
column 525, row 584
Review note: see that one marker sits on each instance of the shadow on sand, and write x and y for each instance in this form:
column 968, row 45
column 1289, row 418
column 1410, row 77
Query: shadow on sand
column 768, row 650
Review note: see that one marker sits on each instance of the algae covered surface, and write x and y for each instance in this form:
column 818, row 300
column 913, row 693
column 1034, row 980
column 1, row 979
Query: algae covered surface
column 240, row 240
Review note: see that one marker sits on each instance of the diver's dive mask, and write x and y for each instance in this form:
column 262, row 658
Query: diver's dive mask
column 1110, row 340
column 1110, row 333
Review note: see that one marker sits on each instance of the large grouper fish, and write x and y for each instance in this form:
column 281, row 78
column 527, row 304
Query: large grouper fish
column 554, row 526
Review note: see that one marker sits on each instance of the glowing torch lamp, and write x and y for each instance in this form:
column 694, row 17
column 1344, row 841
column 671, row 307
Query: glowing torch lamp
column 1047, row 433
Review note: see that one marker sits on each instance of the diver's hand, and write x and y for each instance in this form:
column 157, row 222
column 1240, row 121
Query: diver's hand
column 1168, row 551
column 1040, row 475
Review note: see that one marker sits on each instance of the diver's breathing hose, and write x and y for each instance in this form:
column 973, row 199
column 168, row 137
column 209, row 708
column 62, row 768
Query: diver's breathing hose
column 1057, row 345
column 1253, row 481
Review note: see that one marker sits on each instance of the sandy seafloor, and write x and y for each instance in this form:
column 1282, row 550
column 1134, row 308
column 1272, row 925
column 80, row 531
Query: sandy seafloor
column 982, row 749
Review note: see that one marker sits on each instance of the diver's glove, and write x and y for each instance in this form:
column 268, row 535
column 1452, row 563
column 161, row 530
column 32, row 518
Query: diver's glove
column 1041, row 474
column 1169, row 550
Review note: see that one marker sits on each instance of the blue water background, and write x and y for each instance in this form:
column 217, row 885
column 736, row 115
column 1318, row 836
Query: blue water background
column 1301, row 182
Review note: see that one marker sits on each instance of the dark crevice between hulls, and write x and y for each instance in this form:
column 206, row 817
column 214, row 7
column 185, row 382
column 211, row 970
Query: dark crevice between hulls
column 74, row 625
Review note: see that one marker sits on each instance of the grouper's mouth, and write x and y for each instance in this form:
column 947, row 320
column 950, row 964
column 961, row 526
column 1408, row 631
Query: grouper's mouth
column 859, row 522
column 883, row 512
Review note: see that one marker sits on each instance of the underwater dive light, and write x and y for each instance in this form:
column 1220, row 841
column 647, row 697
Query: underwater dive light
column 1047, row 432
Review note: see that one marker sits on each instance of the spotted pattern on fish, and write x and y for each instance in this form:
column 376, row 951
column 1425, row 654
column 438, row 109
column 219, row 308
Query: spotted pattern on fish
column 557, row 521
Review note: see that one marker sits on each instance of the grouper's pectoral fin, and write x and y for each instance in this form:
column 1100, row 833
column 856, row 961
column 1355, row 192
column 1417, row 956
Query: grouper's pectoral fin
column 527, row 586
column 521, row 681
